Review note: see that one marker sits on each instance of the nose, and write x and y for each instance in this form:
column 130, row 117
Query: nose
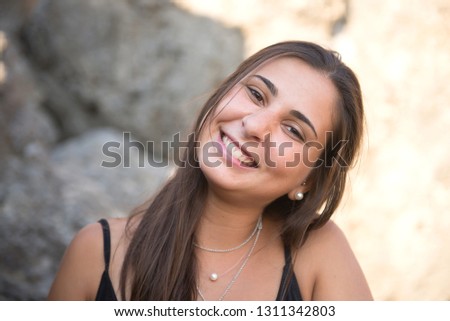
column 257, row 125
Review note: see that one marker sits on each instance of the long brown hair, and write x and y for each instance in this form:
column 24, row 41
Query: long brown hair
column 160, row 263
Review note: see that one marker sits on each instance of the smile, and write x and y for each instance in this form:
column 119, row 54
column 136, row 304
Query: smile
column 237, row 153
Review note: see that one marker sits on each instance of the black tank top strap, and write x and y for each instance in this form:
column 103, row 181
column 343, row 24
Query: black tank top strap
column 105, row 290
column 106, row 242
column 289, row 289
column 287, row 256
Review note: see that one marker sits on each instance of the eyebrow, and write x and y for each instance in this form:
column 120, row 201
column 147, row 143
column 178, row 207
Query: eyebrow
column 303, row 118
column 269, row 84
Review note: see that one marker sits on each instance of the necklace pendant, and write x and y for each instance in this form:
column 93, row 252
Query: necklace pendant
column 213, row 277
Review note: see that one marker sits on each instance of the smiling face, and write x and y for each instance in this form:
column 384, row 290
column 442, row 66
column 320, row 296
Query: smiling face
column 268, row 131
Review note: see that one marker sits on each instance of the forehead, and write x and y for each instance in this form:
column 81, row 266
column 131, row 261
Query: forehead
column 294, row 73
column 302, row 87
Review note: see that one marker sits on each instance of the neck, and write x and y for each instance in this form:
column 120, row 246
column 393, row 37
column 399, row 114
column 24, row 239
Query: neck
column 225, row 224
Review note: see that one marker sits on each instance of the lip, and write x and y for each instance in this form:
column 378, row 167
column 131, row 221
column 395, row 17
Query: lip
column 242, row 148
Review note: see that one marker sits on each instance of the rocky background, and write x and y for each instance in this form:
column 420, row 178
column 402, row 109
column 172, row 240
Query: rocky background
column 77, row 74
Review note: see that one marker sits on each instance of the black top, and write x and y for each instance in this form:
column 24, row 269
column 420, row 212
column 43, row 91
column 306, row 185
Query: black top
column 105, row 290
column 288, row 291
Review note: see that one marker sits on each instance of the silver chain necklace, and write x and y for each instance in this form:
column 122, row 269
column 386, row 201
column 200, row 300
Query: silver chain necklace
column 233, row 248
column 233, row 280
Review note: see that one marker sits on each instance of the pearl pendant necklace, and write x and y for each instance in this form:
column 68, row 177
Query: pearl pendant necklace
column 214, row 276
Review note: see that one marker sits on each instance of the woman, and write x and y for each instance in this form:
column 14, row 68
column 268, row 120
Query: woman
column 248, row 216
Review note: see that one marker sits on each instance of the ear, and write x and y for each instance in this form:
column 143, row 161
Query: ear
column 302, row 188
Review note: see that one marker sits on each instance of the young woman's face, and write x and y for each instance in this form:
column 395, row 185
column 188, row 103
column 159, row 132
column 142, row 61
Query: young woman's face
column 268, row 131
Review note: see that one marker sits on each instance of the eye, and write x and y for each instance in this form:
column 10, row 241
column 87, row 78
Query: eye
column 256, row 94
column 294, row 131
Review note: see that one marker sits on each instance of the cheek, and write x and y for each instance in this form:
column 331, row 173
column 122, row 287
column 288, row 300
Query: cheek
column 232, row 105
column 288, row 155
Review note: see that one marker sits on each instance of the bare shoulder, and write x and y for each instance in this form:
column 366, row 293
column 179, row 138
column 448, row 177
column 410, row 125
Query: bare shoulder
column 83, row 262
column 330, row 235
column 332, row 271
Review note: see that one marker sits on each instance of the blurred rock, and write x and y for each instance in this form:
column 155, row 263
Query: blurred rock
column 46, row 203
column 34, row 229
column 89, row 179
column 135, row 65
column 68, row 70
column 26, row 131
column 26, row 123
column 13, row 13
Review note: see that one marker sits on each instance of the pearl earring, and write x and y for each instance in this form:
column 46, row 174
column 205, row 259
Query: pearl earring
column 299, row 196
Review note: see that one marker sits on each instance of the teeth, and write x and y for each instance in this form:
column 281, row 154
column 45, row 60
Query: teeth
column 236, row 152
